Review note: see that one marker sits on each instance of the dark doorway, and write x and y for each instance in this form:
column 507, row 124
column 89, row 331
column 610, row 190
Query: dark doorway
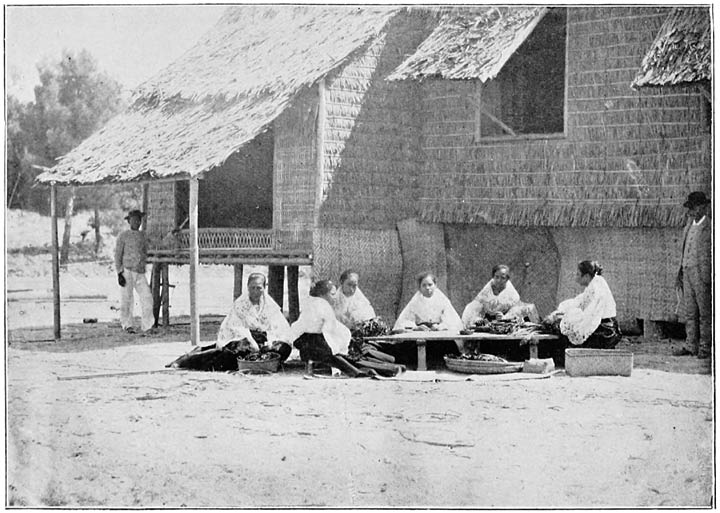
column 236, row 194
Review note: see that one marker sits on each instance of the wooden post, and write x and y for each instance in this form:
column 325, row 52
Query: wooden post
column 96, row 223
column 237, row 283
column 320, row 152
column 478, row 111
column 293, row 296
column 55, row 261
column 421, row 355
column 143, row 226
column 155, row 289
column 165, row 294
column 276, row 284
column 194, row 262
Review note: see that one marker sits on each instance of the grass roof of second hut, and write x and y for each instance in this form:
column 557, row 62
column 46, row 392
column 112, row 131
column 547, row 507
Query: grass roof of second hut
column 221, row 93
column 681, row 52
column 471, row 43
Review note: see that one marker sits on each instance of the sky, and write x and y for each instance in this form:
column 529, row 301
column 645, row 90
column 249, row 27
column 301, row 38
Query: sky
column 129, row 42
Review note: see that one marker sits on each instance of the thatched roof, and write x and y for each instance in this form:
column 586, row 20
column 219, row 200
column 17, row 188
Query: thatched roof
column 681, row 51
column 223, row 92
column 471, row 43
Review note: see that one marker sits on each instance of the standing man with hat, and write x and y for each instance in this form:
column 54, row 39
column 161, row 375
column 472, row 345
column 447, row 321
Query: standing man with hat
column 695, row 278
column 130, row 260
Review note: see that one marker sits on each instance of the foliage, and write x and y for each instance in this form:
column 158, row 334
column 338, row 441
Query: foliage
column 73, row 99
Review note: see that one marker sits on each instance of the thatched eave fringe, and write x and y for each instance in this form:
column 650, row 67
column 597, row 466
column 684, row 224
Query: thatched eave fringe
column 631, row 213
column 681, row 52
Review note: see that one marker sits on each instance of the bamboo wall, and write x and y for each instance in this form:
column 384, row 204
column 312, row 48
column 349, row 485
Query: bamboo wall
column 160, row 213
column 295, row 172
column 628, row 158
column 371, row 153
column 374, row 254
column 370, row 137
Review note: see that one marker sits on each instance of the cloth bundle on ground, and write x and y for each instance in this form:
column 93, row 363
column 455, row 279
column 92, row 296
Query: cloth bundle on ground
column 212, row 358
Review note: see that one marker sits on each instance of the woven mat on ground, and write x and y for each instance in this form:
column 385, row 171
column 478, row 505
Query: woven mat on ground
column 438, row 376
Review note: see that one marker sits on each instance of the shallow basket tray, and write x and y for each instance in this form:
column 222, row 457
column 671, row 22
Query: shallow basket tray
column 261, row 366
column 481, row 367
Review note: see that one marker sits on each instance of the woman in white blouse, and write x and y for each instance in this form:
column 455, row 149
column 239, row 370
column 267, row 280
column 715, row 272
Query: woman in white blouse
column 498, row 299
column 429, row 309
column 317, row 333
column 351, row 305
column 589, row 319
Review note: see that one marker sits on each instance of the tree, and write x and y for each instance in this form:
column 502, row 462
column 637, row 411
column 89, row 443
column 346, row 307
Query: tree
column 73, row 100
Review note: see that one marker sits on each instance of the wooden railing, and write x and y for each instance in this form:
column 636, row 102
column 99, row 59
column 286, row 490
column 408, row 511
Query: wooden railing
column 228, row 238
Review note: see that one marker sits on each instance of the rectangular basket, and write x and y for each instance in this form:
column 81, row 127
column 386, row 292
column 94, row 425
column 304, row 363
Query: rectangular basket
column 259, row 366
column 598, row 362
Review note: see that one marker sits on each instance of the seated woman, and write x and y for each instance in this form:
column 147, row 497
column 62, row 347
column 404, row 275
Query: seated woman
column 588, row 320
column 317, row 333
column 351, row 306
column 429, row 309
column 256, row 321
column 498, row 299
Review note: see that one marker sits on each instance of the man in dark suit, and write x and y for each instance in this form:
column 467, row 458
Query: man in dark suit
column 695, row 277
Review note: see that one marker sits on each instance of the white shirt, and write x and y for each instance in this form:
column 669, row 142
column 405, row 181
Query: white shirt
column 317, row 316
column 583, row 313
column 486, row 301
column 435, row 309
column 245, row 316
column 351, row 310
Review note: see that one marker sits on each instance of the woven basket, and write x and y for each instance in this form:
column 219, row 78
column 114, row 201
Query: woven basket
column 598, row 362
column 480, row 367
column 260, row 366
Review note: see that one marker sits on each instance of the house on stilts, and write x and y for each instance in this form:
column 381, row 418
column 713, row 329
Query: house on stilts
column 397, row 139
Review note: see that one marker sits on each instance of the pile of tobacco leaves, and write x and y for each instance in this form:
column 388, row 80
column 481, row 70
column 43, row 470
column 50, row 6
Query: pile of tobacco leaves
column 371, row 328
column 479, row 357
column 497, row 327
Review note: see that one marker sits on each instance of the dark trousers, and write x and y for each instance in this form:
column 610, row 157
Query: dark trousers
column 697, row 296
column 312, row 346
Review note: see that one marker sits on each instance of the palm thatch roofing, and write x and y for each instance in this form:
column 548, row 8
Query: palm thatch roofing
column 471, row 43
column 681, row 51
column 221, row 93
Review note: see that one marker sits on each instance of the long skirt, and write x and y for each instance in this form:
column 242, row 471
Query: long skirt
column 606, row 336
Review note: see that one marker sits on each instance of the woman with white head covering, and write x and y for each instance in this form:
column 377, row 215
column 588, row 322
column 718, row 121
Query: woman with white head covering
column 429, row 309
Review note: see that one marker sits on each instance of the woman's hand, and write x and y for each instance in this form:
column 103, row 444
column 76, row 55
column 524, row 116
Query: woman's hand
column 422, row 327
column 435, row 327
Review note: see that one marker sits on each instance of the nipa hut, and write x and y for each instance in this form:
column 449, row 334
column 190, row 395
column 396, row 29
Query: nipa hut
column 394, row 140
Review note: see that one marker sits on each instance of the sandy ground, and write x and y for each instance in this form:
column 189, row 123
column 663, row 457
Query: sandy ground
column 171, row 438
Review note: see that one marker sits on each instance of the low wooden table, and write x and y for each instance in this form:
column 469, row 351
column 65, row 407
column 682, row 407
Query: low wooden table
column 421, row 338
